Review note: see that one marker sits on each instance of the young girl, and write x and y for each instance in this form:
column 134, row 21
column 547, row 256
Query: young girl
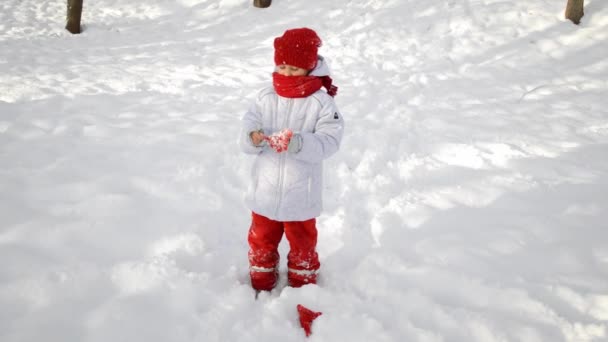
column 292, row 127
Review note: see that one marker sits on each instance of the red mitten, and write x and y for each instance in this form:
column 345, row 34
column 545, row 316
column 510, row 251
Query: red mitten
column 279, row 140
column 306, row 318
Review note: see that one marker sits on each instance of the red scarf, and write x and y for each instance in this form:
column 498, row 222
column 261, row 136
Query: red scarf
column 301, row 86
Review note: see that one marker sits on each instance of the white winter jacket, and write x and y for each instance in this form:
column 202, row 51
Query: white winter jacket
column 288, row 186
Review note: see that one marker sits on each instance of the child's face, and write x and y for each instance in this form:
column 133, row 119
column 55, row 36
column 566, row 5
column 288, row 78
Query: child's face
column 290, row 70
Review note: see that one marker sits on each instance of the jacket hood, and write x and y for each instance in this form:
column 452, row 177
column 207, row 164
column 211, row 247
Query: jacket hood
column 321, row 69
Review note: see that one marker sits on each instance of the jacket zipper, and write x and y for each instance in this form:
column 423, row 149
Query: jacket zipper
column 282, row 160
column 309, row 191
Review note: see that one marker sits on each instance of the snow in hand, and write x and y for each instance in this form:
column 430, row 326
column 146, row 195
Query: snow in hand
column 279, row 141
column 467, row 203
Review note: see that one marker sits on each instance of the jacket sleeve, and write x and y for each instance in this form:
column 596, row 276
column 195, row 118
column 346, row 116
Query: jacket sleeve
column 325, row 140
column 252, row 121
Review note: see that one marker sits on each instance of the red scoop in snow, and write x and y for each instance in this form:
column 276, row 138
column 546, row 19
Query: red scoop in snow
column 306, row 318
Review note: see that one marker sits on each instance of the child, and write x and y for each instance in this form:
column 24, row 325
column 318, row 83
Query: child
column 292, row 127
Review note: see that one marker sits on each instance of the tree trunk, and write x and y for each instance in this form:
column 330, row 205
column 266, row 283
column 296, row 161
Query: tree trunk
column 262, row 3
column 574, row 10
column 74, row 15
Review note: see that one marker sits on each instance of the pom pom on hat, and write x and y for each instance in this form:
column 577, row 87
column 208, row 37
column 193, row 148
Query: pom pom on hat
column 297, row 47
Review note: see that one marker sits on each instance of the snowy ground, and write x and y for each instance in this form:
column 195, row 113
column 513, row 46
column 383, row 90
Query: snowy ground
column 468, row 203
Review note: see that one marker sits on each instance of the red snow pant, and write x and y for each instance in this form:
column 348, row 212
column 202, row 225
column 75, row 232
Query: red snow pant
column 302, row 261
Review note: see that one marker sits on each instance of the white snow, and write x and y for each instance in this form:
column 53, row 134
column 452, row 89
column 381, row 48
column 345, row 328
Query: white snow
column 468, row 201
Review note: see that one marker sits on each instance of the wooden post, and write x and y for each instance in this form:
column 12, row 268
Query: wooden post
column 574, row 10
column 262, row 3
column 74, row 16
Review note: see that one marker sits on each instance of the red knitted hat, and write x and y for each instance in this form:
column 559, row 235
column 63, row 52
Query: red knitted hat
column 297, row 47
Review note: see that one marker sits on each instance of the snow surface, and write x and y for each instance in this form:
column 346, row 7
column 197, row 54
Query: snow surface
column 468, row 202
